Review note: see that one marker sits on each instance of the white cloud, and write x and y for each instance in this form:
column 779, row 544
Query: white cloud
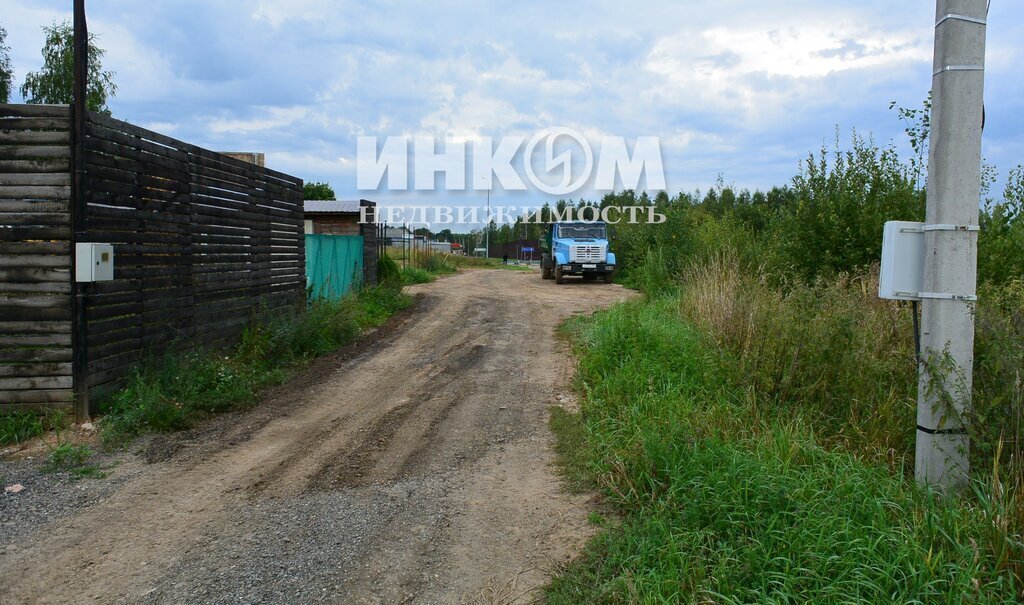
column 758, row 70
column 277, row 13
column 272, row 118
column 471, row 115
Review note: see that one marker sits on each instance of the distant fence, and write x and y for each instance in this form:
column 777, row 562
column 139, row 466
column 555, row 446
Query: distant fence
column 202, row 242
column 334, row 264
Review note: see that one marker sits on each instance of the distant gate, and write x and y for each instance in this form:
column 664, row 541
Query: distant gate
column 334, row 264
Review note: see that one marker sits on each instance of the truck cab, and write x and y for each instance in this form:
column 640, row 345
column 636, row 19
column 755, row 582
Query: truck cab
column 577, row 248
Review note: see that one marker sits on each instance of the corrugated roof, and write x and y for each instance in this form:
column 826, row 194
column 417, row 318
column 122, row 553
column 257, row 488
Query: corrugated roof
column 331, row 206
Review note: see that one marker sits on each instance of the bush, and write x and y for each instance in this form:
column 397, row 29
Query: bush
column 1001, row 244
column 387, row 271
column 415, row 275
column 841, row 202
column 795, row 351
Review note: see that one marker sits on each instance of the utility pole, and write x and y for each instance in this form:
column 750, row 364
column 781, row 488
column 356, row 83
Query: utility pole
column 951, row 244
column 487, row 254
column 79, row 337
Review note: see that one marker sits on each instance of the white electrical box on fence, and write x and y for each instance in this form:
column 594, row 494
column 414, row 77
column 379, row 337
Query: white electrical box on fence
column 94, row 262
column 902, row 271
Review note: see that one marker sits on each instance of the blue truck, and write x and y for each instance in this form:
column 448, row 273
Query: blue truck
column 577, row 248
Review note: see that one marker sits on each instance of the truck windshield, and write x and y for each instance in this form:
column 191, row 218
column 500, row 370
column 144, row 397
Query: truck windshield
column 581, row 231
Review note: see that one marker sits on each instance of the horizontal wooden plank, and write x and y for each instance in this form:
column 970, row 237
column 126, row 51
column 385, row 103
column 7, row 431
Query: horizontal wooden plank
column 151, row 212
column 35, row 369
column 60, row 179
column 110, row 148
column 155, row 191
column 35, row 206
column 35, row 355
column 52, row 261
column 147, row 144
column 117, row 167
column 33, row 110
column 12, row 275
column 40, row 165
column 32, row 137
column 35, row 327
column 35, row 192
column 36, row 288
column 49, row 219
column 98, row 364
column 7, row 123
column 110, row 123
column 43, row 396
column 142, row 176
column 15, row 313
column 36, row 340
column 35, row 233
column 35, row 382
column 20, row 152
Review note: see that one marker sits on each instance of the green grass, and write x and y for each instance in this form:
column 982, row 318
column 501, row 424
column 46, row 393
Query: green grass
column 173, row 392
column 20, row 426
column 74, row 460
column 415, row 275
column 725, row 499
column 477, row 262
column 571, row 449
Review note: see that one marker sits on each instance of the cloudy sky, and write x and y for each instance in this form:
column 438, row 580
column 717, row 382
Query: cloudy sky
column 733, row 87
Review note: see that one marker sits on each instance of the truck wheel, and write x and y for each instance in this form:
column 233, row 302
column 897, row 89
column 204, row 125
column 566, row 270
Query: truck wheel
column 608, row 278
column 558, row 275
column 545, row 267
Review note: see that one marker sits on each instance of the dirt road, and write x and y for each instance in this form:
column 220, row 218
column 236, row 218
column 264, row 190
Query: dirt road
column 415, row 469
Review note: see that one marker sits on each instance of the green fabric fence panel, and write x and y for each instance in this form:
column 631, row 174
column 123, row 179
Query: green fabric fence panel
column 334, row 264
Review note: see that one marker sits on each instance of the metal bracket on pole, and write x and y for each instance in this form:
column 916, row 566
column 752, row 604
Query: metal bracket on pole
column 958, row 68
column 950, row 227
column 957, row 17
column 941, row 227
column 939, row 296
column 946, row 296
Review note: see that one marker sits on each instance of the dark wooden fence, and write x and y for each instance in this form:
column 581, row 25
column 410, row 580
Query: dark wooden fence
column 202, row 243
column 35, row 261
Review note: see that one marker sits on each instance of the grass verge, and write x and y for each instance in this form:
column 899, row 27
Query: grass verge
column 415, row 275
column 174, row 391
column 726, row 500
column 476, row 262
column 21, row 426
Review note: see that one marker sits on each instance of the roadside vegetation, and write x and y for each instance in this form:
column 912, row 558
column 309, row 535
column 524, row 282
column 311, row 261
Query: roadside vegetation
column 425, row 266
column 753, row 415
column 172, row 392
